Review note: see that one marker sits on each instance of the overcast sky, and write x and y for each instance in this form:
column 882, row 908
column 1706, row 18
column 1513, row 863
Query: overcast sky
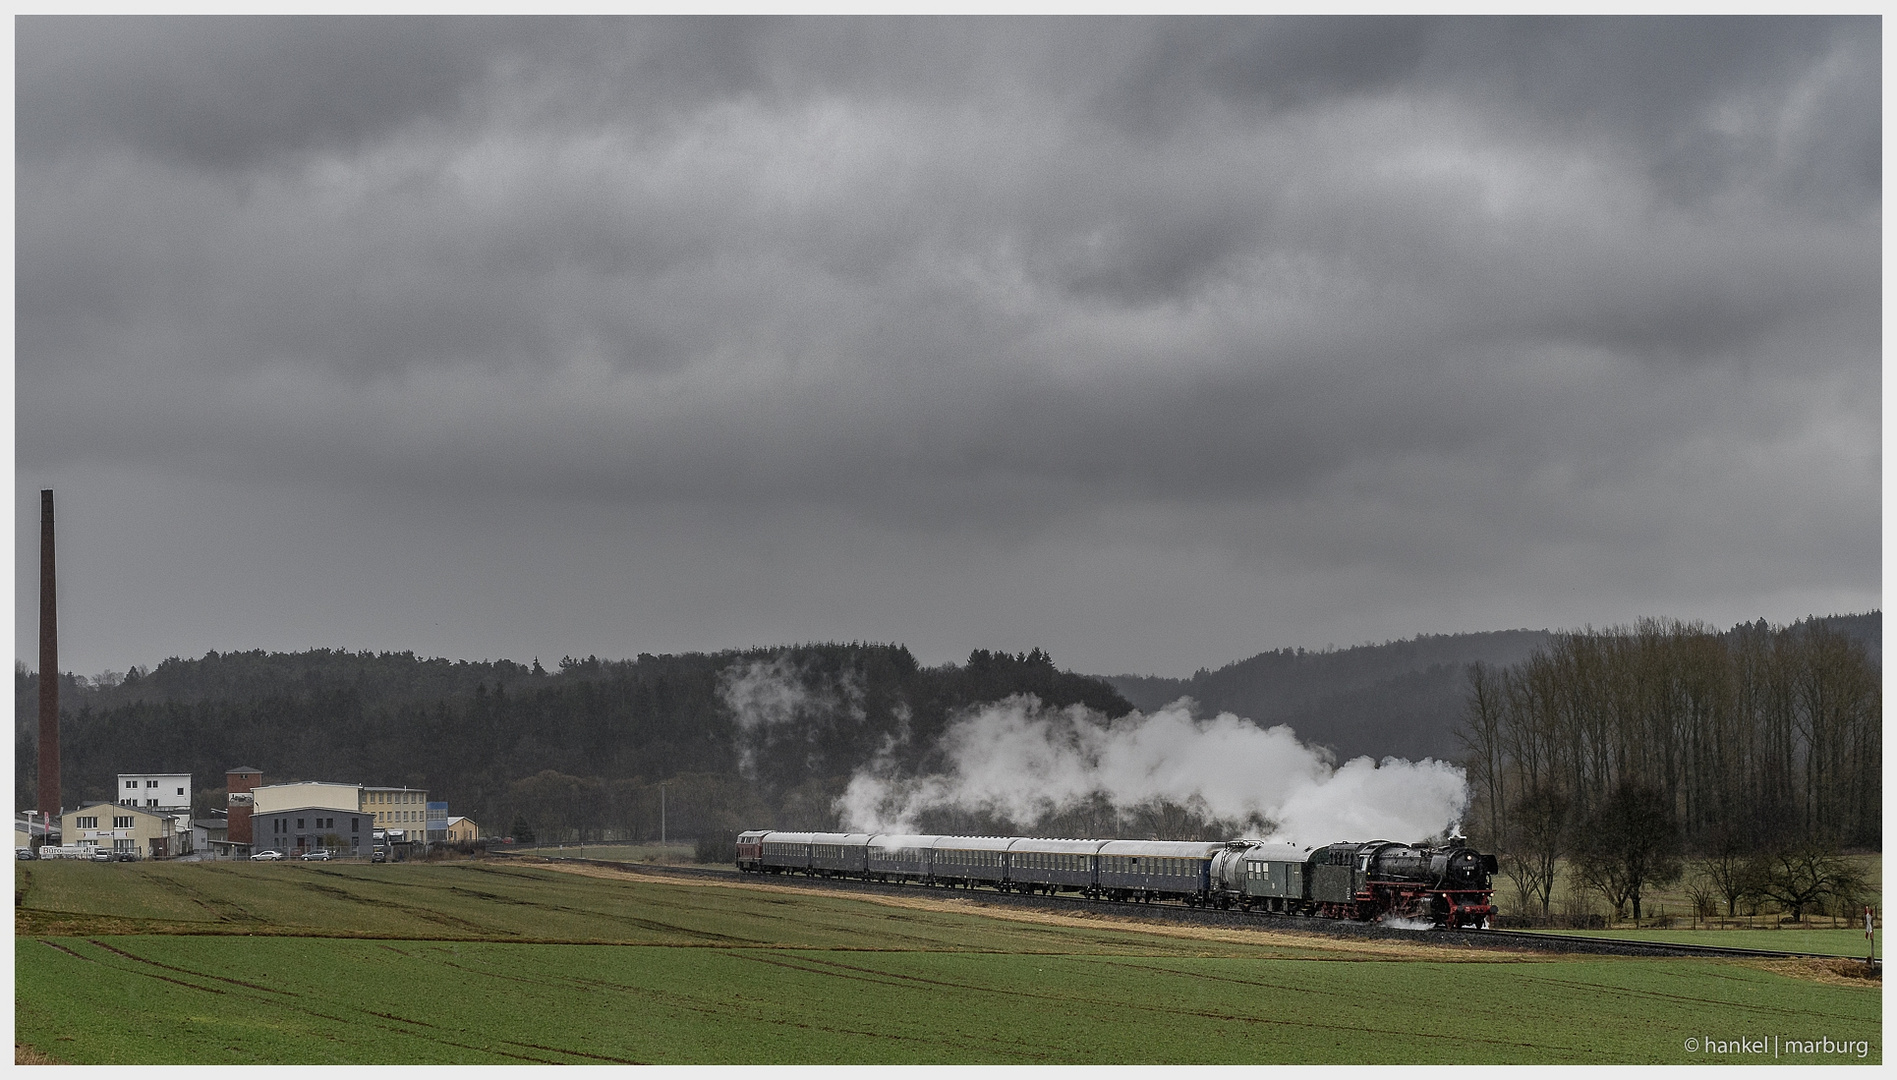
column 1152, row 343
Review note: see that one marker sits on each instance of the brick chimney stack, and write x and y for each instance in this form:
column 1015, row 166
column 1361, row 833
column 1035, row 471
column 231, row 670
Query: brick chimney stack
column 49, row 668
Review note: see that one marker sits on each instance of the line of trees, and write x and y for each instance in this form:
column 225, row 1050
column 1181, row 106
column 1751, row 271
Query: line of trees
column 1620, row 750
column 578, row 752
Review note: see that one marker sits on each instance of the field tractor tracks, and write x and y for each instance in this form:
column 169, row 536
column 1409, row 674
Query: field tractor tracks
column 752, row 1012
column 1662, row 998
column 189, row 971
column 572, row 1053
column 868, row 975
column 218, row 908
column 651, row 925
column 141, row 972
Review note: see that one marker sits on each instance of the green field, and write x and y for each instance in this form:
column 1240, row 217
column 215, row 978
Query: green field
column 638, row 853
column 1825, row 942
column 474, row 962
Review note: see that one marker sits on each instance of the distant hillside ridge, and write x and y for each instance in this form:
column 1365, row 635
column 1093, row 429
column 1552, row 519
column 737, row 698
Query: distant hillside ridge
column 1398, row 699
column 767, row 734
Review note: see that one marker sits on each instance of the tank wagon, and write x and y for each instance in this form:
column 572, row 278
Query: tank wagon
column 1445, row 886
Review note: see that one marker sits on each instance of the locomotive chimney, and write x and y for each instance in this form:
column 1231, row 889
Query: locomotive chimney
column 49, row 670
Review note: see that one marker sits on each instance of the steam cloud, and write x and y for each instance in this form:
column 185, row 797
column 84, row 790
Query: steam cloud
column 775, row 693
column 1019, row 759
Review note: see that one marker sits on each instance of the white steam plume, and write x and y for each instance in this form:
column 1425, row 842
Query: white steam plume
column 1024, row 761
column 774, row 693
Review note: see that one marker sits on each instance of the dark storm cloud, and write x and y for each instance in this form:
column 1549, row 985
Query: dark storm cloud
column 1465, row 309
column 230, row 93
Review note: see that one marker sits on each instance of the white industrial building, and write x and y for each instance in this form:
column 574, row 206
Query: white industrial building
column 155, row 791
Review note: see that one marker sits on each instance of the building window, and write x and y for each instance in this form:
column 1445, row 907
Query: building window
column 131, row 783
column 355, row 825
column 299, row 823
column 151, row 802
column 151, row 783
column 181, row 791
column 122, row 822
column 86, row 823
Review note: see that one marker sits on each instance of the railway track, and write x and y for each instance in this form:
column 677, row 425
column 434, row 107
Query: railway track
column 1177, row 913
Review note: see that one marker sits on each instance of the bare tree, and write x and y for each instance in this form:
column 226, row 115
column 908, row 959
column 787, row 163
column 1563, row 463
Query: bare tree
column 1703, row 894
column 1536, row 842
column 1627, row 844
column 1481, row 732
column 1804, row 874
column 1727, row 865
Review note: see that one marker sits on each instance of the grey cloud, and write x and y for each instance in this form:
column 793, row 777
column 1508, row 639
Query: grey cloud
column 1380, row 297
column 1275, row 64
column 231, row 92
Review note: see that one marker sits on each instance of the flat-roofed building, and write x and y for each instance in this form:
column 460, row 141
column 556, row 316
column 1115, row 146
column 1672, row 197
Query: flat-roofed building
column 343, row 818
column 155, row 791
column 297, row 829
column 308, row 794
column 403, row 810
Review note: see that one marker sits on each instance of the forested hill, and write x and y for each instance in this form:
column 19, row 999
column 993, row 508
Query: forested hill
column 1400, row 698
column 736, row 738
column 473, row 733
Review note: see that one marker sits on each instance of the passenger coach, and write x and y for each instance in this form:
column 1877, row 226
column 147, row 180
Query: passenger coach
column 1052, row 866
column 1148, row 870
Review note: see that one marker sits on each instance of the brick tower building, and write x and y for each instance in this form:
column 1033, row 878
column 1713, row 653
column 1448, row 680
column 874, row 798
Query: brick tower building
column 238, row 783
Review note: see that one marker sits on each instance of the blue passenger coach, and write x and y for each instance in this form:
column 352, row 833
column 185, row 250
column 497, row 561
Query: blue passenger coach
column 1148, row 870
column 1051, row 866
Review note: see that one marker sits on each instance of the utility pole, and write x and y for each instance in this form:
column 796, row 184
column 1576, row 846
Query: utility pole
column 661, row 815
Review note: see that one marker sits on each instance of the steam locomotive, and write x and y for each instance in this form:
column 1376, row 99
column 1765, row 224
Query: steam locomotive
column 1448, row 886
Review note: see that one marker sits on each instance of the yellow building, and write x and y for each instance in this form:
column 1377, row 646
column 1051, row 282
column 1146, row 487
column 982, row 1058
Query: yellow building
column 148, row 833
column 396, row 809
column 463, row 831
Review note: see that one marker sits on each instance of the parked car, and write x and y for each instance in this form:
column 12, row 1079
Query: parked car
column 381, row 854
column 315, row 855
column 23, row 853
column 103, row 855
column 266, row 856
column 126, row 856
